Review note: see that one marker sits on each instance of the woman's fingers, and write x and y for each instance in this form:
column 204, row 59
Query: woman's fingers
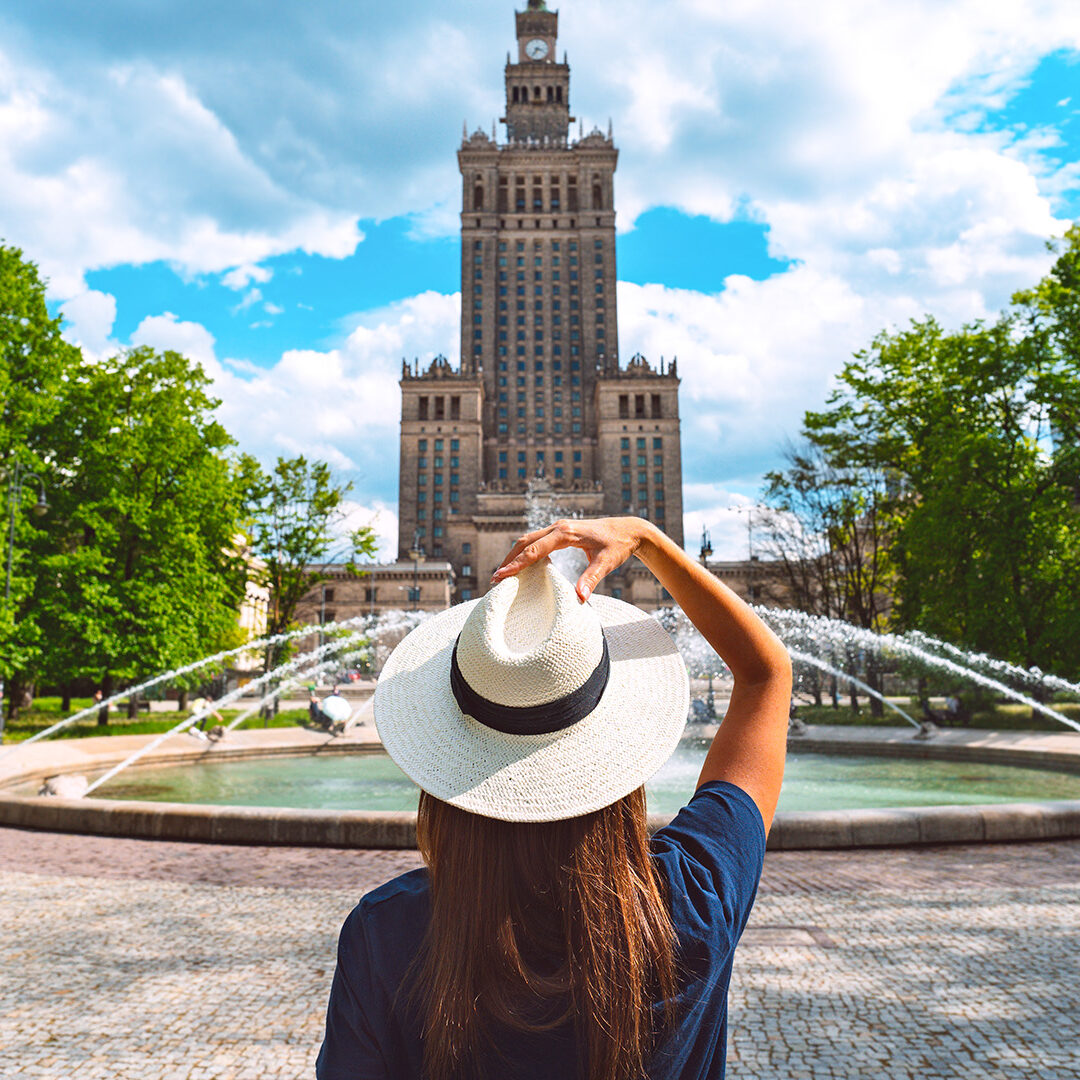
column 601, row 562
column 522, row 543
column 533, row 547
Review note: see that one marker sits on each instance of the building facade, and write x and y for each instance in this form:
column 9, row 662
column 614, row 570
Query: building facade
column 541, row 419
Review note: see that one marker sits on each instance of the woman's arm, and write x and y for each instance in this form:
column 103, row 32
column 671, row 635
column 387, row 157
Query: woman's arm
column 750, row 747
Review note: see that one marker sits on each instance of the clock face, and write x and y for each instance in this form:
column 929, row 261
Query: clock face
column 536, row 49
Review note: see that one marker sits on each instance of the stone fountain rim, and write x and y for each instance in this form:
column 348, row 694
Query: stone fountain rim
column 822, row 829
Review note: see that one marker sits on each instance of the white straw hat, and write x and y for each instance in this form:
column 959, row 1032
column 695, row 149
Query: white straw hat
column 527, row 705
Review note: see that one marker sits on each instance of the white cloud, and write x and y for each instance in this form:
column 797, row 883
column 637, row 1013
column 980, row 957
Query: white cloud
column 380, row 516
column 167, row 332
column 240, row 277
column 854, row 131
column 340, row 405
column 89, row 319
column 252, row 296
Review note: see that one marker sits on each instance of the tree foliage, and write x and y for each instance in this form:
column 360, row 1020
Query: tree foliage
column 297, row 510
column 142, row 561
column 142, row 569
column 978, row 433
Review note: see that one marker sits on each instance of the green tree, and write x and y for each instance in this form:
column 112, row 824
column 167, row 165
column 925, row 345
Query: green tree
column 143, row 569
column 297, row 512
column 828, row 532
column 978, row 428
column 34, row 360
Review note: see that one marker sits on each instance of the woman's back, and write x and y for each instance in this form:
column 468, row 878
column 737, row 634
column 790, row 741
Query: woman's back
column 709, row 860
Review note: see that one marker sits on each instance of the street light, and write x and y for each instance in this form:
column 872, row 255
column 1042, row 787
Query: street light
column 40, row 508
column 706, row 555
column 706, row 547
column 416, row 553
column 749, row 511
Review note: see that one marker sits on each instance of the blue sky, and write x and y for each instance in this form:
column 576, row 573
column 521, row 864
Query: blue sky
column 275, row 193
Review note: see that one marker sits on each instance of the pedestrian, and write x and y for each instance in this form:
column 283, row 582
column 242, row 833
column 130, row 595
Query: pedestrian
column 314, row 711
column 201, row 707
column 546, row 936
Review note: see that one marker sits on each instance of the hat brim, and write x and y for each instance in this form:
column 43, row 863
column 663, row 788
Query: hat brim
column 591, row 764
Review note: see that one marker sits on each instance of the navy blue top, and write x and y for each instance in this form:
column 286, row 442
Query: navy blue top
column 711, row 855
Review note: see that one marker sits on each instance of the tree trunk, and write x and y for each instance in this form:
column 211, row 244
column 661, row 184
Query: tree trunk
column 133, row 707
column 15, row 691
column 65, row 699
column 181, row 701
column 816, row 688
column 874, row 679
column 834, row 691
column 853, row 690
column 106, row 692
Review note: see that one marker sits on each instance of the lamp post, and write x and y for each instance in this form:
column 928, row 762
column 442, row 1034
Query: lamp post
column 41, row 507
column 749, row 511
column 706, row 555
column 416, row 554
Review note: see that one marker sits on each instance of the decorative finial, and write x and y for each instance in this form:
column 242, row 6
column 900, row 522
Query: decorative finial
column 537, row 5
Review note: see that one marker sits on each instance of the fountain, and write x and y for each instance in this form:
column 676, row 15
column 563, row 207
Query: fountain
column 815, row 644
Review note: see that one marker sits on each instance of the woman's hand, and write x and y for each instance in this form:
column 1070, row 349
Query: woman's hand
column 608, row 543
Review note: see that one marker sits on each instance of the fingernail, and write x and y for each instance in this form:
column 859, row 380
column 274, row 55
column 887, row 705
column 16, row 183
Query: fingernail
column 585, row 593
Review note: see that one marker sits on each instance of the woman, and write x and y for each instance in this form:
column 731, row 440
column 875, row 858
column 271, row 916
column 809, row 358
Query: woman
column 547, row 937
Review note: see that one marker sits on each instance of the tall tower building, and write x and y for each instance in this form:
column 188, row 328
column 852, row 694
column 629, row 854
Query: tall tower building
column 541, row 418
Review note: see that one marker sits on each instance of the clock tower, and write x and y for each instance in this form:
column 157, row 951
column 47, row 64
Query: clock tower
column 537, row 88
column 541, row 407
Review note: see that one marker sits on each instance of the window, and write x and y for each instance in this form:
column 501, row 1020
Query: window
column 466, row 548
column 440, row 408
column 577, row 455
column 455, row 407
column 466, row 594
column 624, row 443
column 466, row 570
column 657, row 443
column 422, row 445
column 655, row 403
column 624, row 407
column 423, row 407
column 438, row 444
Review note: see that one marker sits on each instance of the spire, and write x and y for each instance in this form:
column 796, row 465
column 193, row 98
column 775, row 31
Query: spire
column 537, row 5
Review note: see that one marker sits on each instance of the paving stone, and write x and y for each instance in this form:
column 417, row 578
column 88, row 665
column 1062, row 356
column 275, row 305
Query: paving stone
column 132, row 959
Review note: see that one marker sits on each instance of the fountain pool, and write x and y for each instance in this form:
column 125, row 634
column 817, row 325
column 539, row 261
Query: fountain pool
column 814, row 781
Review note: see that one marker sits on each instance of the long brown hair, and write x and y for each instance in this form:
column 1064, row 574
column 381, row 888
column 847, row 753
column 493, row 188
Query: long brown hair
column 535, row 925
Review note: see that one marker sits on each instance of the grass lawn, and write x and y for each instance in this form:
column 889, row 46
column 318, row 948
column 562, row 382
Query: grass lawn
column 46, row 711
column 1002, row 717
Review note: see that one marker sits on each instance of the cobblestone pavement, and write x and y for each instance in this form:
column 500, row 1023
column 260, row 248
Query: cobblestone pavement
column 131, row 959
